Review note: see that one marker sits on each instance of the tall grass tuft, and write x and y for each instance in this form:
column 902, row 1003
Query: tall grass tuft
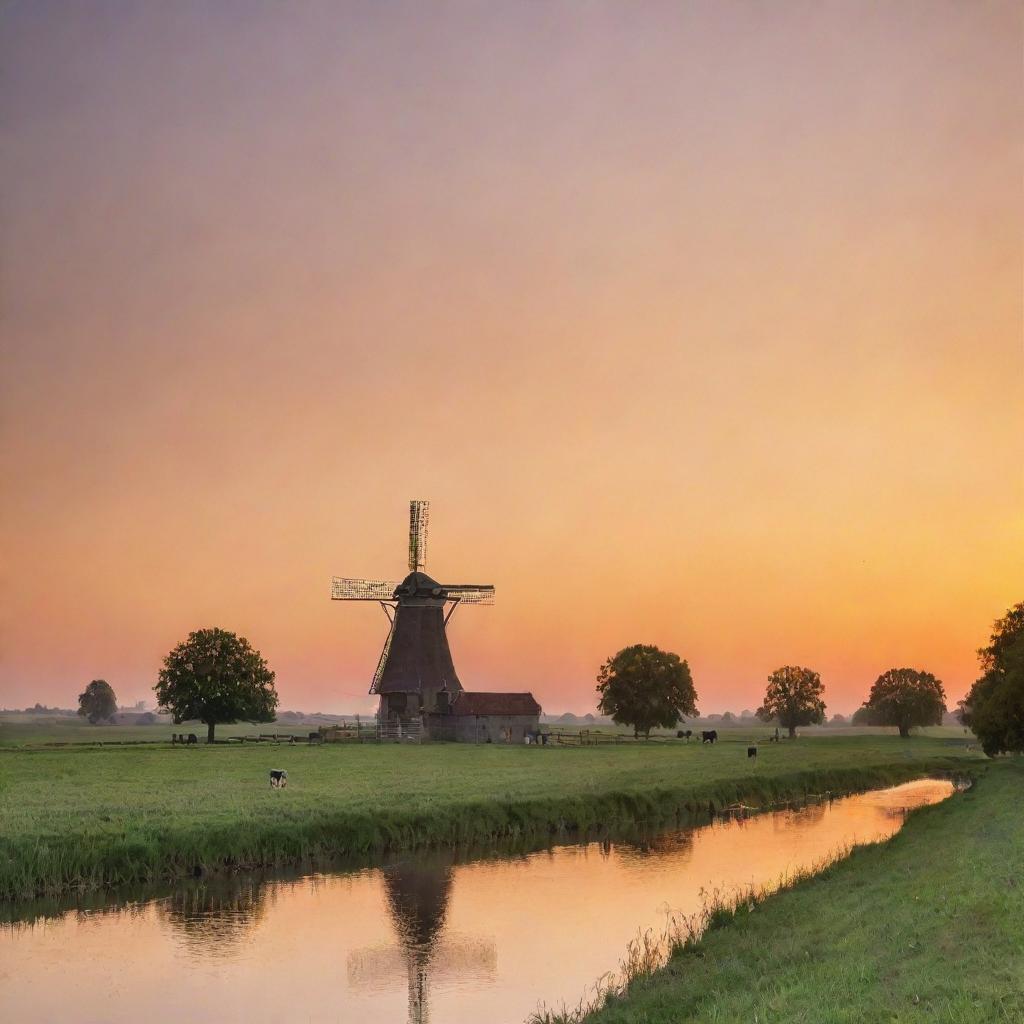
column 649, row 951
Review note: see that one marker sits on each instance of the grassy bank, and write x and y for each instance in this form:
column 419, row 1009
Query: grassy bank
column 927, row 927
column 80, row 818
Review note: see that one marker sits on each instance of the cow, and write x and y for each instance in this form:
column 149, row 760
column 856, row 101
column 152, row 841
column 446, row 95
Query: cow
column 751, row 751
column 278, row 778
column 684, row 735
column 192, row 738
column 708, row 736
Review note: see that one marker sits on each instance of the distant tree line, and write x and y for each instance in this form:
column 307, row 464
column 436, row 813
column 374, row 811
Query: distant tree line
column 645, row 687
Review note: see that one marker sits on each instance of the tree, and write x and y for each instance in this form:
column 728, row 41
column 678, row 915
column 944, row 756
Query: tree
column 793, row 697
column 97, row 702
column 216, row 677
column 645, row 687
column 994, row 708
column 863, row 716
column 906, row 698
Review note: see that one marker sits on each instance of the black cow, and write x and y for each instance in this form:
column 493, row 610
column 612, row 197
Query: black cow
column 751, row 751
column 192, row 738
column 278, row 778
column 709, row 736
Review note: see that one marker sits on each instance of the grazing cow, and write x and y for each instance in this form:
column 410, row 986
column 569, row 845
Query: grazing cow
column 708, row 736
column 192, row 738
column 751, row 751
column 278, row 778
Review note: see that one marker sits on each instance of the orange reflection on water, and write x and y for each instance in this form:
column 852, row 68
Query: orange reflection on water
column 422, row 938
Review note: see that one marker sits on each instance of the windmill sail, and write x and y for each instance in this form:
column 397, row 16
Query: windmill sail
column 362, row 590
column 419, row 519
column 470, row 593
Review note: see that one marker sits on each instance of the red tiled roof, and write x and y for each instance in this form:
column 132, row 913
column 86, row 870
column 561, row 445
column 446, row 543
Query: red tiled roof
column 480, row 703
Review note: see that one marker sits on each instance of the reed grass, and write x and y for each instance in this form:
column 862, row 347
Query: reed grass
column 650, row 951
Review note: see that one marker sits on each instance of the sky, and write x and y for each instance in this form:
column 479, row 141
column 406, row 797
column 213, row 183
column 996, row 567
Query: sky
column 699, row 323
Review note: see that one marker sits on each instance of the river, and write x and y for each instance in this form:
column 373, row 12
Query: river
column 422, row 937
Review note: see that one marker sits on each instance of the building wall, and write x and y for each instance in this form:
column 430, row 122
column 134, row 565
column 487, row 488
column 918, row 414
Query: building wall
column 482, row 728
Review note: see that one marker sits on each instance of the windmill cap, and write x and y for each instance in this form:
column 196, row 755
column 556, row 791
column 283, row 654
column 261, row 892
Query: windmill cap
column 419, row 584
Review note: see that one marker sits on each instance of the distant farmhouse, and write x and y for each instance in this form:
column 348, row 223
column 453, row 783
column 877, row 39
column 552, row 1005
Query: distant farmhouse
column 421, row 696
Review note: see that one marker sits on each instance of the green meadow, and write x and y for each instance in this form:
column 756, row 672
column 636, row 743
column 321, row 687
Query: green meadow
column 75, row 818
column 927, row 927
column 64, row 730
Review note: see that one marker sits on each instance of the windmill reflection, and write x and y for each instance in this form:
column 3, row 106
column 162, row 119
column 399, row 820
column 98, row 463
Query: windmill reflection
column 418, row 890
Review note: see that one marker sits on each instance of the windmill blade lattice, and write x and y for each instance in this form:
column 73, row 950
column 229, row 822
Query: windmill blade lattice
column 419, row 519
column 471, row 594
column 362, row 590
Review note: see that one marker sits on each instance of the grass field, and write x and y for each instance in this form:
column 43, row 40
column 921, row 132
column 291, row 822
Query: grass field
column 41, row 730
column 60, row 730
column 928, row 927
column 86, row 817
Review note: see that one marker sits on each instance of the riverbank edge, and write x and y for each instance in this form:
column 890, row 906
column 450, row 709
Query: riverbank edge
column 727, row 921
column 65, row 866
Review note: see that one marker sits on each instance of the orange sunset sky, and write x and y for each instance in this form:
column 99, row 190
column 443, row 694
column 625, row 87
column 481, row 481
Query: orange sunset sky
column 700, row 324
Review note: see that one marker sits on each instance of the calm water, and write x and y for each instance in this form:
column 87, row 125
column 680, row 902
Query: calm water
column 420, row 939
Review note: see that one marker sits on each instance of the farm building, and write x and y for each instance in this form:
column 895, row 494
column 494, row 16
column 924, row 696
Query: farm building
column 479, row 717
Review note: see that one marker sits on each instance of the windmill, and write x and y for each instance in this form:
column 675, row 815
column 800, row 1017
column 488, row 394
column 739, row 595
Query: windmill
column 415, row 673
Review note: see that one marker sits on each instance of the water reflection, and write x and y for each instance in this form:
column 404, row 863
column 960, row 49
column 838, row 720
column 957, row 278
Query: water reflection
column 676, row 845
column 416, row 938
column 215, row 919
column 417, row 891
column 808, row 816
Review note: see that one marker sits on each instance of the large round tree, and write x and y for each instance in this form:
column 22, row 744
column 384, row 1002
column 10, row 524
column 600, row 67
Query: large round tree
column 793, row 698
column 994, row 708
column 906, row 698
column 218, row 678
column 646, row 687
column 97, row 702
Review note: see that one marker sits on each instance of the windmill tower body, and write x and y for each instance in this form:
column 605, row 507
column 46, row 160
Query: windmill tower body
column 416, row 674
column 420, row 692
